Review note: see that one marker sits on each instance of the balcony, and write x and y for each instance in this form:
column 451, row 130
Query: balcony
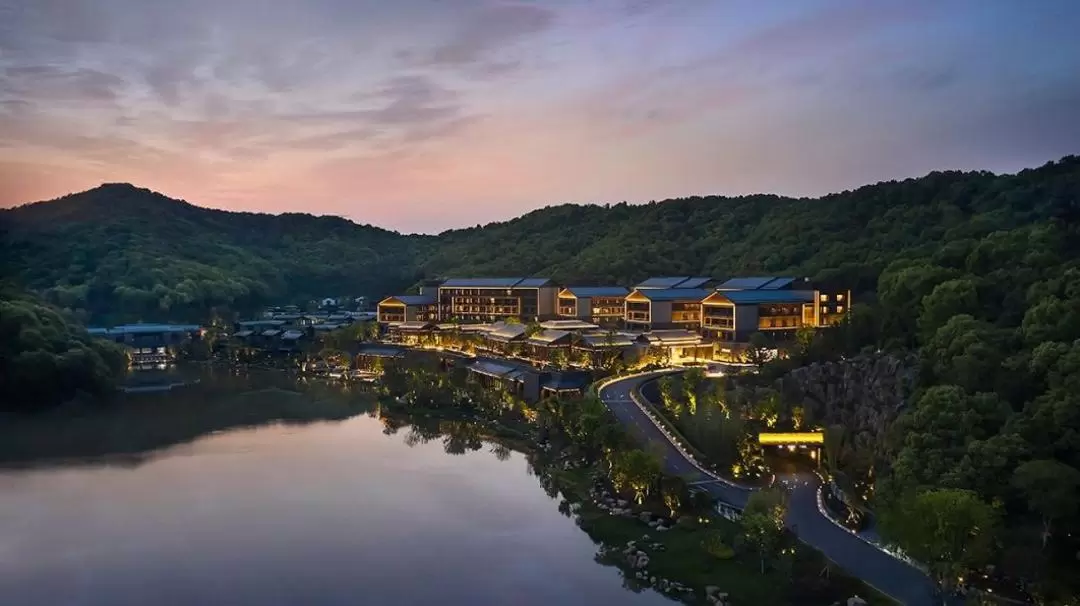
column 638, row 316
column 719, row 322
column 568, row 311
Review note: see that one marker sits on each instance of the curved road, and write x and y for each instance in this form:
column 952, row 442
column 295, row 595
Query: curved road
column 897, row 579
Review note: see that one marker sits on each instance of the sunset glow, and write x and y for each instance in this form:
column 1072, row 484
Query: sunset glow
column 422, row 116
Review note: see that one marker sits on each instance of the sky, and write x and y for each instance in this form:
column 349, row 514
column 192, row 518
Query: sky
column 424, row 115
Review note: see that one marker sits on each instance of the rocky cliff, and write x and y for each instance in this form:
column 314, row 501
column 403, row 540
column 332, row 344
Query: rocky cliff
column 864, row 394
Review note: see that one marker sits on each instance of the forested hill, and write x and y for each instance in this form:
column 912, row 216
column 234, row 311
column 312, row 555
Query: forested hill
column 130, row 252
column 854, row 234
column 119, row 252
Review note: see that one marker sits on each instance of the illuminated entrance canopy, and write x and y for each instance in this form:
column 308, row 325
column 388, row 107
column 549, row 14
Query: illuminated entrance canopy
column 782, row 439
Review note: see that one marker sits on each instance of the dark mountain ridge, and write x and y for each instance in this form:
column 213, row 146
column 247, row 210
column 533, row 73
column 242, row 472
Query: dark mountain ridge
column 119, row 249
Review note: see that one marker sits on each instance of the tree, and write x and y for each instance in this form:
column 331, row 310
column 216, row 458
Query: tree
column 636, row 470
column 1052, row 490
column 949, row 530
column 948, row 299
column 757, row 350
column 762, row 523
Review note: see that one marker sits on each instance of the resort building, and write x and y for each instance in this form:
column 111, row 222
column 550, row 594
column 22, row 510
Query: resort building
column 150, row 343
column 776, row 307
column 527, row 382
column 408, row 308
column 549, row 345
column 493, row 299
column 676, row 346
column 601, row 350
column 503, row 338
column 600, row 305
column 653, row 308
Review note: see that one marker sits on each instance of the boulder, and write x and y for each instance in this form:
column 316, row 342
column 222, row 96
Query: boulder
column 623, row 502
column 856, row 601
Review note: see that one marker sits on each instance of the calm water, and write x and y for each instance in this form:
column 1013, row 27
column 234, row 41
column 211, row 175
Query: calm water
column 325, row 513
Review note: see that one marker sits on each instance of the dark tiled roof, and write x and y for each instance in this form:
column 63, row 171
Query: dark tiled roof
column 499, row 370
column 257, row 323
column 566, row 381
column 271, row 333
column 482, row 282
column 508, row 332
column 244, row 333
column 601, row 341
column 745, row 283
column 672, row 337
column 414, row 299
column 534, row 282
column 662, row 282
column 548, row 337
column 698, row 282
column 674, row 294
column 597, row 291
column 778, row 283
column 142, row 329
column 568, row 325
column 292, row 335
column 749, row 297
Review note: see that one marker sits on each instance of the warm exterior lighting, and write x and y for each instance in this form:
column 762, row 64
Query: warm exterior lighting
column 779, row 438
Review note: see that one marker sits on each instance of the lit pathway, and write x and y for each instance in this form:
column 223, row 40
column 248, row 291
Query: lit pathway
column 887, row 574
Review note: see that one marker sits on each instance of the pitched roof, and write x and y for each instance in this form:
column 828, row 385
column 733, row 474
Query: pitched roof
column 568, row 325
column 520, row 282
column 533, row 283
column 137, row 329
column 508, row 332
column 271, row 333
column 662, row 282
column 597, row 291
column 257, row 323
column 778, row 283
column 548, row 337
column 244, row 333
column 672, row 337
column 749, row 297
column 410, row 299
column 745, row 283
column 697, row 282
column 415, row 325
column 601, row 341
column 292, row 335
column 566, row 381
column 674, row 294
column 496, row 369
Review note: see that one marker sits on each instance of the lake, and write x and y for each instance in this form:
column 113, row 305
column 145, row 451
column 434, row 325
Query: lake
column 234, row 510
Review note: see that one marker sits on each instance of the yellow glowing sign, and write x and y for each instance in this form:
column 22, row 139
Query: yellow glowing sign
column 803, row 437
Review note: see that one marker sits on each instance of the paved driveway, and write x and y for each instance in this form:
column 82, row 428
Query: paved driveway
column 895, row 578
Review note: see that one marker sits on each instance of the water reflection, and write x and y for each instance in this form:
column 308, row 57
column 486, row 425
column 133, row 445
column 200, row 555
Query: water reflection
column 232, row 492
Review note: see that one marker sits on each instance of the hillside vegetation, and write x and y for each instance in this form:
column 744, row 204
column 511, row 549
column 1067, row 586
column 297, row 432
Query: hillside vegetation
column 119, row 253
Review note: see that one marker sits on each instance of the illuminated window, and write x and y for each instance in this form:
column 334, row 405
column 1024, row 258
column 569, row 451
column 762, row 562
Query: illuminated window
column 824, row 298
column 839, row 309
column 839, row 297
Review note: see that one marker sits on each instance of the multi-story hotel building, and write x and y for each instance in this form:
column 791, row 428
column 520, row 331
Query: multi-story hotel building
column 408, row 308
column 772, row 306
column 601, row 305
column 653, row 308
column 492, row 299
